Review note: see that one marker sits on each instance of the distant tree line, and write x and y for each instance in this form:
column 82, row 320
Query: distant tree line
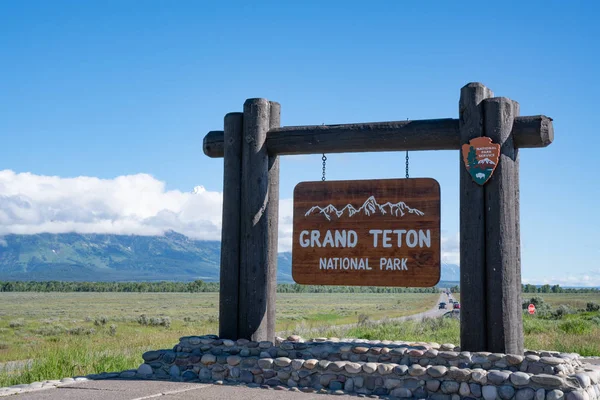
column 185, row 287
column 529, row 288
column 201, row 286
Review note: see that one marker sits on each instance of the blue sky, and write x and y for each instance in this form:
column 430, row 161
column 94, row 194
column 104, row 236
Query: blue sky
column 107, row 89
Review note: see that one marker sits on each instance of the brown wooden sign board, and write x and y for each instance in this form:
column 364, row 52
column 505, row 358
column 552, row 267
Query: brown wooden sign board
column 367, row 233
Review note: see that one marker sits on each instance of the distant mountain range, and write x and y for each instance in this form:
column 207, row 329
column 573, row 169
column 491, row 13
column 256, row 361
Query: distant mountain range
column 99, row 257
column 370, row 207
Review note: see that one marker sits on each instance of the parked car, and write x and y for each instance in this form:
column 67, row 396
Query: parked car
column 457, row 306
column 442, row 306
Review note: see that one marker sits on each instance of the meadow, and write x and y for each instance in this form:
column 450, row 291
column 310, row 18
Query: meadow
column 70, row 334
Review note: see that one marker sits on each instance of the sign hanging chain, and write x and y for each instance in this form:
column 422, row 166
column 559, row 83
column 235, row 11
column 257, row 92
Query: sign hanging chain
column 324, row 158
column 407, row 160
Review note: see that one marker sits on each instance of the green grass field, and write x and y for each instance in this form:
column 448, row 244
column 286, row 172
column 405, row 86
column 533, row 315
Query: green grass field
column 69, row 334
column 81, row 333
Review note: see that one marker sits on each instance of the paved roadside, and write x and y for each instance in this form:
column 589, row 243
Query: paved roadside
column 143, row 389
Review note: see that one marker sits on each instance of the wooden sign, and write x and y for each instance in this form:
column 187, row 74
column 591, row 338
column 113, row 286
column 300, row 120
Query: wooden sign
column 481, row 158
column 367, row 233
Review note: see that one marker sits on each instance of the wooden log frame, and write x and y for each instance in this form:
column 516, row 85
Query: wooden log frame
column 433, row 134
column 491, row 317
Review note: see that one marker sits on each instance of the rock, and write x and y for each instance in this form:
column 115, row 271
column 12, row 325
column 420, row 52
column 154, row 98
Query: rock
column 369, row 368
column 475, row 389
column 514, row 359
column 282, row 361
column 583, row 379
column 555, row 394
column 401, row 393
column 360, row 350
column 151, row 355
column 335, row 385
column 401, row 369
column 577, row 395
column 548, row 380
column 416, row 370
column 245, row 352
column 349, row 385
column 174, row 371
column 432, row 385
column 525, row 394
column 234, row 360
column 450, row 387
column 297, row 364
column 506, row 392
column 324, row 364
column 283, row 375
column 353, row 368
column 325, row 379
column 431, row 353
column 540, row 394
column 436, row 371
column 519, row 378
column 392, row 383
column 310, row 364
column 497, row 377
column 464, row 389
column 479, row 376
column 459, row 374
column 489, row 392
column 385, row 369
column 189, row 375
column 359, row 381
column 265, row 363
column 265, row 344
column 143, row 369
column 294, row 338
column 205, row 374
column 208, row 359
column 448, row 354
column 246, row 376
column 228, row 343
column 552, row 360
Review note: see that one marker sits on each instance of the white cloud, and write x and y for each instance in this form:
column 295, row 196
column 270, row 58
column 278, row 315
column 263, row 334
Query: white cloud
column 450, row 248
column 131, row 204
column 586, row 279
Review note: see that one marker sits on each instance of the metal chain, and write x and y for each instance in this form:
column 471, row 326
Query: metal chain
column 407, row 160
column 324, row 158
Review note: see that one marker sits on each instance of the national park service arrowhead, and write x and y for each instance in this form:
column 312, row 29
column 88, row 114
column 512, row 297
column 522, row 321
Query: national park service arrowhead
column 481, row 157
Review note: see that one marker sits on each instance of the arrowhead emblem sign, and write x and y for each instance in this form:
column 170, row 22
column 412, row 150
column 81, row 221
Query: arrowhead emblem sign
column 481, row 158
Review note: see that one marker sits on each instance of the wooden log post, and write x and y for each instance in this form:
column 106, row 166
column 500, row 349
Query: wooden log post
column 254, row 248
column 230, row 233
column 503, row 311
column 519, row 289
column 472, row 227
column 273, row 218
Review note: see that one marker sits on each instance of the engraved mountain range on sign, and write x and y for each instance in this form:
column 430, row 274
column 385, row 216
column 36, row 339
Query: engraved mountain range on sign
column 369, row 208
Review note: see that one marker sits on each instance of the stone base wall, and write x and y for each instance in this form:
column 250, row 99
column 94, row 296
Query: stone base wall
column 384, row 368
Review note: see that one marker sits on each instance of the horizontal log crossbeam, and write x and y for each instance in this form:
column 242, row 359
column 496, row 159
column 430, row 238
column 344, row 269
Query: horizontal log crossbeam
column 432, row 134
